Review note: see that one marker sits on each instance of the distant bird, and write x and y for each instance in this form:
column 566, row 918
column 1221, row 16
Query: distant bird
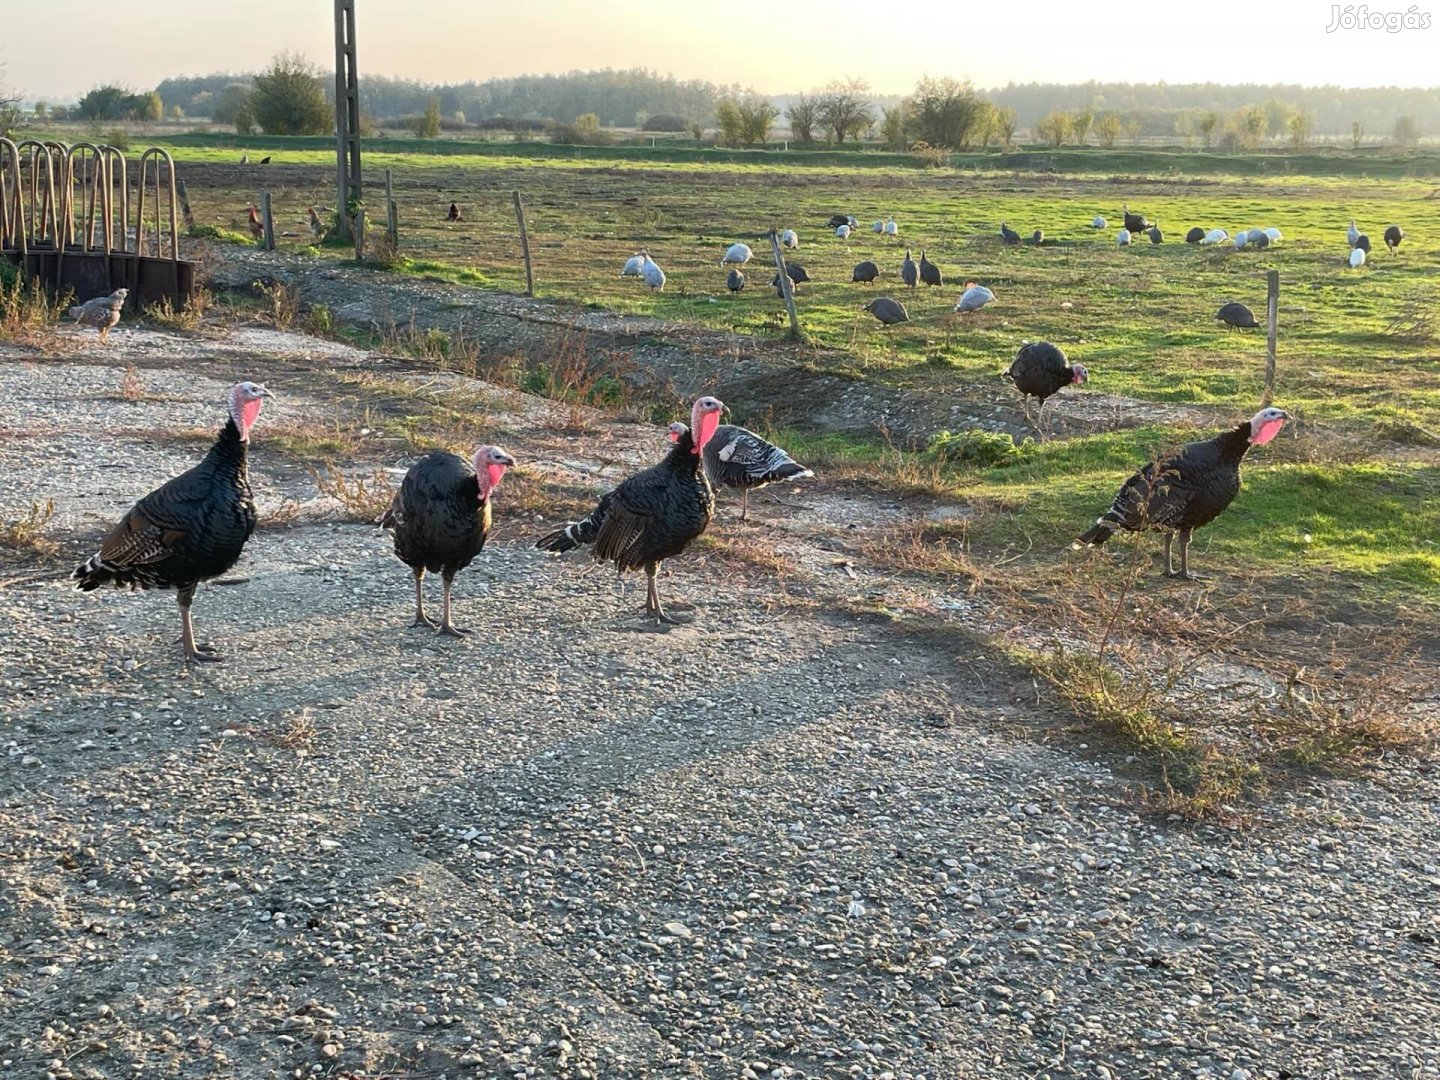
column 909, row 272
column 892, row 229
column 1357, row 258
column 836, row 220
column 1274, row 234
column 1352, row 234
column 1156, row 236
column 735, row 280
column 1259, row 239
column 1038, row 236
column 1215, row 236
column 1393, row 235
column 654, row 276
column 257, row 227
column 929, row 272
column 317, row 227
column 634, row 266
column 441, row 518
column 1241, row 239
column 888, row 311
column 1185, row 491
column 1195, row 235
column 878, row 227
column 1236, row 315
column 1041, row 370
column 973, row 298
column 737, row 254
column 244, row 159
column 454, row 214
column 736, row 457
column 794, row 271
column 1098, row 222
column 850, row 220
column 1123, row 238
column 102, row 312
column 789, row 239
column 653, row 515
column 865, row 272
column 1134, row 223
column 191, row 528
column 1008, row 235
column 265, row 160
column 1363, row 244
column 843, row 232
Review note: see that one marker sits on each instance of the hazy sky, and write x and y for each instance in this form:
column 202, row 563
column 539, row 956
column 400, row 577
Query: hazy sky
column 776, row 46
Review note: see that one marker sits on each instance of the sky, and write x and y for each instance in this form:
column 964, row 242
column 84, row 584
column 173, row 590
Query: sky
column 769, row 46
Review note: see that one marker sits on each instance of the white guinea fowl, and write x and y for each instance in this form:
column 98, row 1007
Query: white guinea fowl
column 1241, row 239
column 1274, row 234
column 892, row 229
column 879, row 227
column 974, row 297
column 634, row 266
column 1357, row 258
column 654, row 276
column 789, row 239
column 1215, row 236
column 1098, row 222
column 843, row 232
column 737, row 254
column 1123, row 238
column 1352, row 234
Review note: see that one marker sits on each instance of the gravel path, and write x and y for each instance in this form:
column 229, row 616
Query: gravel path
column 781, row 841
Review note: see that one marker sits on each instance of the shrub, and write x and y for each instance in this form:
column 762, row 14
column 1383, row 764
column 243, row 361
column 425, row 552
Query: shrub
column 978, row 448
column 663, row 122
column 288, row 99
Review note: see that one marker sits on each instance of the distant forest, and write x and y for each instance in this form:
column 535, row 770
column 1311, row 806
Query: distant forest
column 631, row 98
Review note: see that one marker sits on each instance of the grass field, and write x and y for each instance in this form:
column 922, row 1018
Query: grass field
column 1358, row 361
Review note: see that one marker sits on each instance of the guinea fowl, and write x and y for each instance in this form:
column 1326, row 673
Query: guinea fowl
column 973, row 298
column 1040, row 370
column 1185, row 491
column 737, row 254
column 836, row 220
column 441, row 518
column 1195, row 235
column 1038, row 236
column 929, row 272
column 653, row 515
column 102, row 312
column 1236, row 315
column 1352, row 234
column 888, row 311
column 317, row 227
column 1008, row 235
column 865, row 272
column 189, row 529
column 909, row 273
column 794, row 271
column 1156, row 236
column 1393, row 235
column 736, row 457
column 735, row 280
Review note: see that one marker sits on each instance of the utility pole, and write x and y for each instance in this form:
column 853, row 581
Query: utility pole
column 347, row 117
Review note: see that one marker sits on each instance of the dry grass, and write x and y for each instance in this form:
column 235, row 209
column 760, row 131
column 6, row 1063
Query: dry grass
column 281, row 517
column 27, row 312
column 27, row 535
column 188, row 316
column 281, row 302
column 361, row 499
column 922, row 547
column 313, row 441
column 132, row 387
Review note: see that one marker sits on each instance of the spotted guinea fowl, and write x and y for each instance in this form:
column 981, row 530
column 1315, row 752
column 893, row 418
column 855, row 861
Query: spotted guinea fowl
column 1236, row 315
column 441, row 518
column 888, row 311
column 1181, row 493
column 735, row 280
column 1041, row 370
column 909, row 272
column 736, row 457
column 929, row 272
column 102, row 312
column 189, row 529
column 653, row 515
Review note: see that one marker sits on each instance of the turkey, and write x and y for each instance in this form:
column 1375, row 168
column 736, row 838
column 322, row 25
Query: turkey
column 836, row 220
column 1393, row 235
column 735, row 280
column 441, row 518
column 738, row 254
column 1195, row 235
column 865, row 272
column 1135, row 223
column 1236, row 315
column 973, row 298
column 736, row 457
column 929, row 272
column 454, row 214
column 888, row 311
column 1008, row 235
column 909, row 273
column 1363, row 244
column 102, row 312
column 189, row 529
column 1038, row 236
column 1041, row 370
column 653, row 515
column 1186, row 491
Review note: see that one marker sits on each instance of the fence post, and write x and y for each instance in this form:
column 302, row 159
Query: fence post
column 184, row 196
column 268, row 220
column 358, row 227
column 524, row 245
column 392, row 225
column 786, row 289
column 1272, row 318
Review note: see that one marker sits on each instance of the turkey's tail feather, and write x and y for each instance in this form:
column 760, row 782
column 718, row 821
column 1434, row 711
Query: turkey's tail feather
column 95, row 572
column 571, row 536
column 1096, row 535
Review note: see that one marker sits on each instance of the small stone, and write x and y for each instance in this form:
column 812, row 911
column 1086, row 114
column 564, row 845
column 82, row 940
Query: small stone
column 678, row 929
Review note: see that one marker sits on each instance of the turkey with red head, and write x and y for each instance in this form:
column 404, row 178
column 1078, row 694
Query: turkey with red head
column 1185, row 491
column 653, row 515
column 738, row 458
column 1041, row 370
column 441, row 518
column 190, row 529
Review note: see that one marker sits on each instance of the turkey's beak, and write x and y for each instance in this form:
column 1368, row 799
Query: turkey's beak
column 266, row 393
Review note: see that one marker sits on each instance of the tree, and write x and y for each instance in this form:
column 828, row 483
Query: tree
column 1005, row 124
column 109, row 103
column 757, row 116
column 1081, row 123
column 729, row 120
column 177, row 113
column 892, row 126
column 1357, row 134
column 1405, row 132
column 42, row 109
column 1133, row 128
column 1107, row 130
column 804, row 117
column 843, row 109
column 1250, row 126
column 288, row 99
column 1207, row 124
column 231, row 101
column 1054, row 128
column 1299, row 129
column 1277, row 117
column 948, row 113
column 152, row 108
column 428, row 126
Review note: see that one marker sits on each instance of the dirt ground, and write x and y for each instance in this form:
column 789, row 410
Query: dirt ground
column 785, row 840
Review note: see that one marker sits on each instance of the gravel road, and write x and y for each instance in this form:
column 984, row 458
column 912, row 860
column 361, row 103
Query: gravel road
column 781, row 841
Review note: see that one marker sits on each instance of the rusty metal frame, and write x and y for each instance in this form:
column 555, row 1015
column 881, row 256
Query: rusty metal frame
column 12, row 209
column 157, row 153
column 44, row 201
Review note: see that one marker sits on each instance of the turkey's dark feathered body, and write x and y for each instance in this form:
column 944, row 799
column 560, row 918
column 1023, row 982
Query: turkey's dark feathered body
column 736, row 457
column 187, row 530
column 1135, row 223
column 1040, row 370
column 1180, row 493
column 440, row 521
column 649, row 517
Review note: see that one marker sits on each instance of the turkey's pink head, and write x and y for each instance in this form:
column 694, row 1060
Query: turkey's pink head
column 1078, row 374
column 676, row 431
column 490, row 465
column 245, row 399
column 704, row 419
column 1266, row 424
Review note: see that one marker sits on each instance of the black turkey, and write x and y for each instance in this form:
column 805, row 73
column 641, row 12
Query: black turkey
column 1041, row 370
column 1008, row 235
column 454, row 214
column 1134, row 223
column 736, row 457
column 653, row 515
column 1181, row 493
column 190, row 529
column 1363, row 243
column 929, row 272
column 1038, row 236
column 836, row 220
column 441, row 518
column 865, row 272
column 1195, row 235
column 1393, row 235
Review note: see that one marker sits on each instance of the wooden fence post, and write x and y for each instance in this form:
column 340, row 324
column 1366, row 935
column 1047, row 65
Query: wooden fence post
column 1272, row 319
column 267, row 219
column 358, row 227
column 184, row 196
column 392, row 226
column 787, row 290
column 524, row 245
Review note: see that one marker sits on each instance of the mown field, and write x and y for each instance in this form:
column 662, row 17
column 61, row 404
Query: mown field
column 1352, row 491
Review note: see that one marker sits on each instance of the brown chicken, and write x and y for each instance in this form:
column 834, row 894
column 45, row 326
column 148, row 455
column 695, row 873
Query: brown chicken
column 257, row 230
column 103, row 312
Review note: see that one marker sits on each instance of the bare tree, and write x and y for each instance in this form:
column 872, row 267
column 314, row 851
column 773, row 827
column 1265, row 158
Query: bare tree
column 844, row 109
column 804, row 117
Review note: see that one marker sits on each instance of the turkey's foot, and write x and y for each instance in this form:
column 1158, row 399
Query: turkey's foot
column 1182, row 575
column 451, row 630
column 424, row 620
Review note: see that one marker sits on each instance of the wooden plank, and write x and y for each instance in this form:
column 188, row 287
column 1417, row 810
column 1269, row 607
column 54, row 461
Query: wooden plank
column 1272, row 319
column 267, row 219
column 184, row 197
column 524, row 245
column 786, row 286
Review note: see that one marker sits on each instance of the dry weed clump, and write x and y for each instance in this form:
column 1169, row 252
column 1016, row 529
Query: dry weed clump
column 361, row 499
column 28, row 534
